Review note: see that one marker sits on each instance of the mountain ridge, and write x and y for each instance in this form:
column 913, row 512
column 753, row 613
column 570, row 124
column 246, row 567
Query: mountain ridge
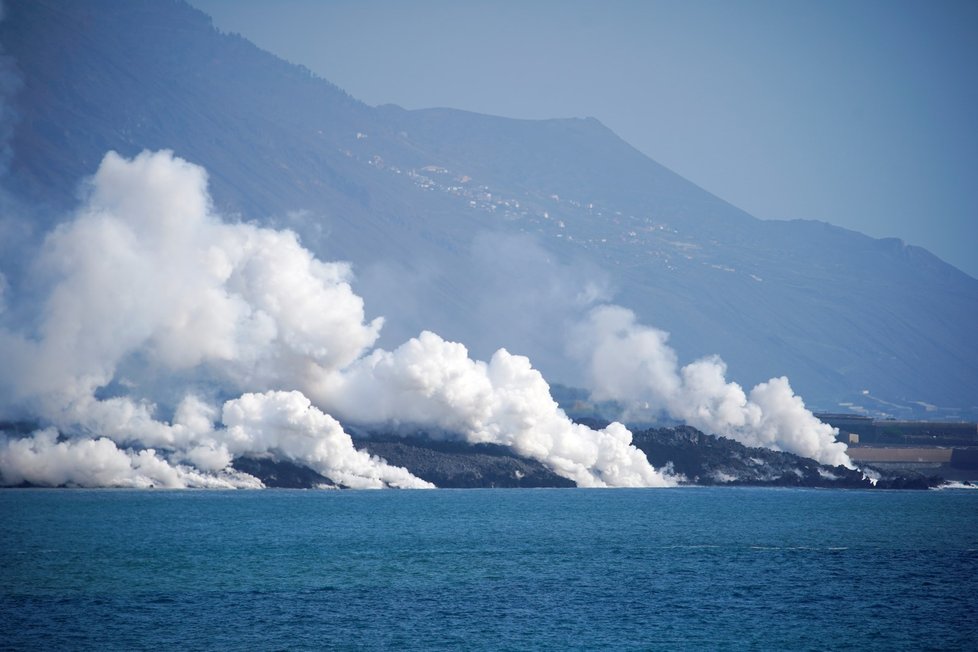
column 836, row 311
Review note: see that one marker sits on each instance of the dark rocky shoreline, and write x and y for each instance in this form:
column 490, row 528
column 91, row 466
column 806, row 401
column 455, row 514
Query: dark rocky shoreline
column 457, row 465
column 710, row 460
column 695, row 457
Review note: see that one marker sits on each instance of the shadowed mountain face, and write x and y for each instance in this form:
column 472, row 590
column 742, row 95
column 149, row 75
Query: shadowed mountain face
column 491, row 231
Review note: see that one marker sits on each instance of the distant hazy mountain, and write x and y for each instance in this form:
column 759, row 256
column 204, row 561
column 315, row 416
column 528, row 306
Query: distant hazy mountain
column 488, row 230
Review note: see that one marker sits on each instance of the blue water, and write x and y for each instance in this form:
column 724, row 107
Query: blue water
column 695, row 568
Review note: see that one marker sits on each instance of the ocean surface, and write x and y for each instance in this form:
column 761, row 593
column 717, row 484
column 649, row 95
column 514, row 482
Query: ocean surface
column 509, row 569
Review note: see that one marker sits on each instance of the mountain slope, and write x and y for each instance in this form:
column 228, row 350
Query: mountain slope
column 485, row 229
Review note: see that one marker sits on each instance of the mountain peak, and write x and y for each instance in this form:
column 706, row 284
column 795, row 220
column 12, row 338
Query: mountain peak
column 412, row 197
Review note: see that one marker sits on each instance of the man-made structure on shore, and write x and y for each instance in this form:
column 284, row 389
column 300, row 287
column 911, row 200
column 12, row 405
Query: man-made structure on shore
column 945, row 448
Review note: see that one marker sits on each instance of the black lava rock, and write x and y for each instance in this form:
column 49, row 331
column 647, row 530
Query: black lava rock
column 451, row 464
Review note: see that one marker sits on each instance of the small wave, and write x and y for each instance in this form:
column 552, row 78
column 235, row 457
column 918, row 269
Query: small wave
column 801, row 548
column 955, row 485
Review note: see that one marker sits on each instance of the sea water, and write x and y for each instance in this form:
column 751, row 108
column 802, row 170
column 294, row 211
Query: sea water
column 675, row 569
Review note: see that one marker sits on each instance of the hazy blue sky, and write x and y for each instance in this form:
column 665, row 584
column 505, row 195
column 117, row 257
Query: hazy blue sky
column 861, row 113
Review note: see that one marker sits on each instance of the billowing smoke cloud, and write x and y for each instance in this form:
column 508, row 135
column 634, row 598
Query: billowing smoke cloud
column 144, row 268
column 288, row 426
column 145, row 283
column 505, row 401
column 43, row 460
column 146, row 279
column 154, row 306
column 506, row 274
column 634, row 364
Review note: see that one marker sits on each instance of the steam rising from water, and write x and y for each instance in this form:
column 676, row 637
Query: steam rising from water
column 145, row 283
column 155, row 312
column 87, row 462
column 633, row 363
column 505, row 401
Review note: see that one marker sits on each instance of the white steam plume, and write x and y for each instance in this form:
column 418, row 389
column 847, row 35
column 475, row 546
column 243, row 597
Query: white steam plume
column 146, row 283
column 288, row 426
column 146, row 268
column 146, row 277
column 428, row 381
column 633, row 363
column 87, row 462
